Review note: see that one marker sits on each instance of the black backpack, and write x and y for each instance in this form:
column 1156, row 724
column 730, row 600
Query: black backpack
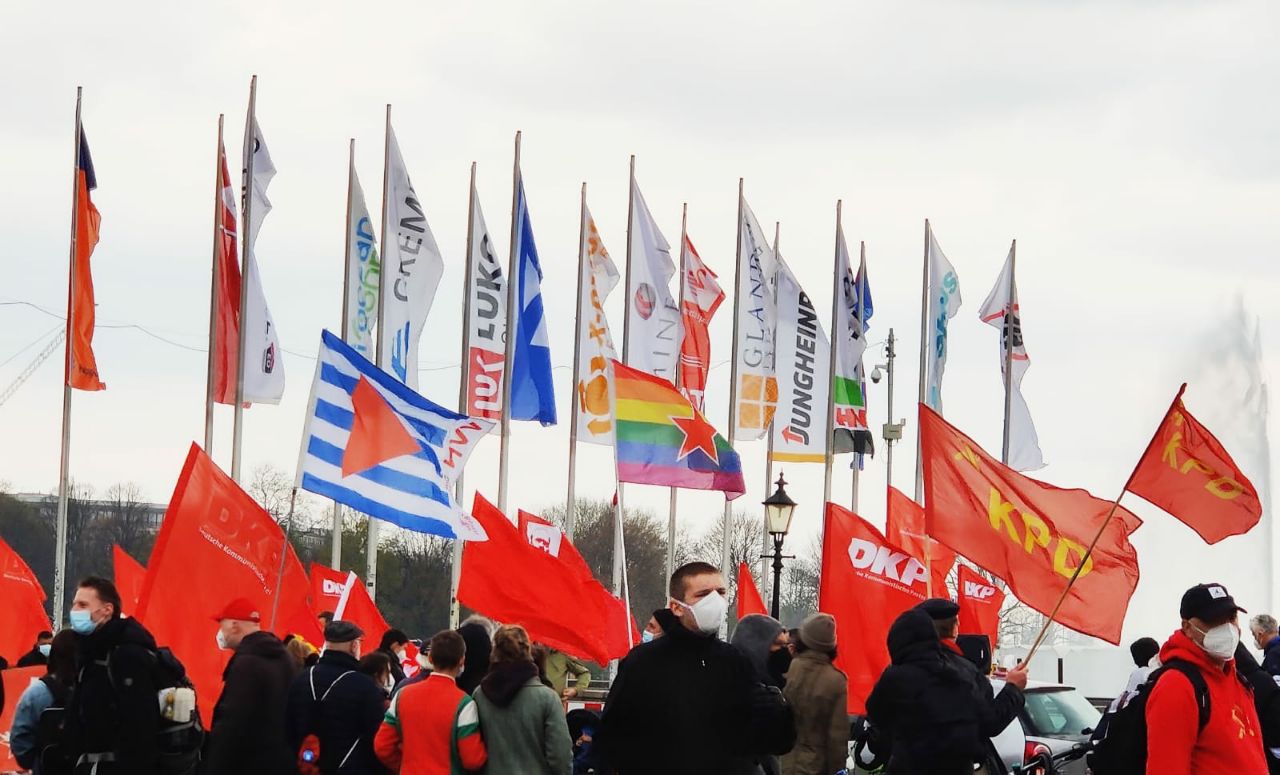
column 1124, row 749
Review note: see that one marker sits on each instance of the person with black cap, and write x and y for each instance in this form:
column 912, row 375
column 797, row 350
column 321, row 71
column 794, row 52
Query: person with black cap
column 338, row 705
column 1231, row 739
column 247, row 733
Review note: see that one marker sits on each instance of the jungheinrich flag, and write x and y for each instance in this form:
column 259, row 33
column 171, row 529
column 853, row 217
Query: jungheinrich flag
column 654, row 315
column 980, row 602
column 803, row 354
column 363, row 278
column 373, row 444
column 22, row 599
column 1001, row 311
column 757, row 318
column 599, row 278
column 944, row 302
column 1188, row 473
column 261, row 359
column 662, row 439
column 411, row 269
column 227, row 304
column 702, row 297
column 488, row 323
column 129, row 575
column 82, row 369
column 849, row 427
column 905, row 527
column 1029, row 533
column 532, row 394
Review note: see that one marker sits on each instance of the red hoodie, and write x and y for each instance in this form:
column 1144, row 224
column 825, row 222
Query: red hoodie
column 1230, row 744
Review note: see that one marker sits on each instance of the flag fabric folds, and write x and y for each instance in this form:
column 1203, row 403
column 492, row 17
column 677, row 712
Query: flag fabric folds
column 129, row 576
column 756, row 320
column 227, row 303
column 849, row 426
column 1001, row 311
column 487, row 326
column 375, row 445
column 663, row 440
column 261, row 359
column 980, row 602
column 866, row 582
column 217, row 544
column 327, row 586
column 701, row 298
column 654, row 316
column 22, row 613
column 944, row 302
column 411, row 269
column 1029, row 533
column 363, row 275
column 1187, row 472
column 532, row 393
column 749, row 599
column 82, row 366
column 595, row 349
column 803, row 364
column 905, row 527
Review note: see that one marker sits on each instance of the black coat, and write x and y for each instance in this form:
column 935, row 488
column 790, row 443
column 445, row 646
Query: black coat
column 247, row 733
column 679, row 705
column 925, row 705
column 33, row 658
column 998, row 710
column 116, row 713
column 1266, row 699
column 345, row 722
column 1271, row 657
column 397, row 672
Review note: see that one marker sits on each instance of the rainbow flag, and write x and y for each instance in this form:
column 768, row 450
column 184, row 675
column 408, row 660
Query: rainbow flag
column 661, row 439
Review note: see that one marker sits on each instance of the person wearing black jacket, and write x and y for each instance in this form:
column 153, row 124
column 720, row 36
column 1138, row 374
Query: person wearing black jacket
column 113, row 719
column 1266, row 699
column 247, row 732
column 1266, row 636
column 39, row 654
column 393, row 645
column 341, row 706
column 681, row 703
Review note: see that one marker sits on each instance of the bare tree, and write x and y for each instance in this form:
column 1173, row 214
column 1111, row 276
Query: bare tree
column 125, row 520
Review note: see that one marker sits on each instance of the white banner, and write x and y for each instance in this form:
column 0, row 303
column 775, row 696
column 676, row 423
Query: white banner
column 850, row 344
column 653, row 312
column 362, row 275
column 263, row 368
column 944, row 302
column 757, row 318
column 1024, row 443
column 487, row 325
column 599, row 278
column 803, row 367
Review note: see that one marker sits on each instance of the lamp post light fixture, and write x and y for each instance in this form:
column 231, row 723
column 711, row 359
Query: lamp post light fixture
column 778, row 510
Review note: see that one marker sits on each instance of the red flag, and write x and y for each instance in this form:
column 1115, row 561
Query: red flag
column 749, row 600
column 227, row 303
column 1189, row 474
column 905, row 527
column 866, row 582
column 701, row 298
column 327, row 585
column 217, row 544
column 82, row 367
column 980, row 603
column 129, row 576
column 22, row 613
column 16, row 680
column 1031, row 534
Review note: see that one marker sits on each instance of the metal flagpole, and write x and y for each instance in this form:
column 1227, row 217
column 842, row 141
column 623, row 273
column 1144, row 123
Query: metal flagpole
column 765, row 577
column 455, row 573
column 924, row 363
column 725, row 558
column 889, row 355
column 684, row 285
column 284, row 553
column 1010, row 319
column 570, row 507
column 214, row 284
column 237, row 435
column 619, row 514
column 371, row 536
column 60, row 557
column 513, row 287
column 837, row 335
column 335, row 552
column 861, row 323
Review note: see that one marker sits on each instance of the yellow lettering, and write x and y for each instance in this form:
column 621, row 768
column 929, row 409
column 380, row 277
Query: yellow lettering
column 1061, row 557
column 968, row 454
column 1037, row 532
column 1197, row 465
column 1171, row 450
column 1225, row 488
column 998, row 512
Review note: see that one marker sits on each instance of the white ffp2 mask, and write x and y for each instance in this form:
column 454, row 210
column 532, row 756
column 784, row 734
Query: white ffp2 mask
column 708, row 613
column 1221, row 641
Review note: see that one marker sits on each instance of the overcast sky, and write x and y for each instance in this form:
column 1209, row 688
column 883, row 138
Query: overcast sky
column 1130, row 147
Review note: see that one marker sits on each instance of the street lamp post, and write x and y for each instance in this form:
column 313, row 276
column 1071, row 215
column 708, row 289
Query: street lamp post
column 778, row 509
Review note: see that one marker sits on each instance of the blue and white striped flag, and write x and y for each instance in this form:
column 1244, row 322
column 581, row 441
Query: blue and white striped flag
column 366, row 421
column 532, row 395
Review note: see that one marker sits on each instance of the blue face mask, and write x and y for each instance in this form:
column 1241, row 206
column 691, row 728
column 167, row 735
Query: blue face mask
column 646, row 636
column 81, row 622
column 45, row 648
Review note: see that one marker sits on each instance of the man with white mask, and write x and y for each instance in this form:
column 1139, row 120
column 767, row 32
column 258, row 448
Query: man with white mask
column 681, row 703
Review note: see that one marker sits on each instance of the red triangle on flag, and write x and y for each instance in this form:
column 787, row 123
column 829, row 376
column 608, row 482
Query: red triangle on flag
column 377, row 434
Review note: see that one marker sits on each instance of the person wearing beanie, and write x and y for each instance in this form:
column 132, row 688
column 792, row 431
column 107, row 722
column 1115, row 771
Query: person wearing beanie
column 818, row 693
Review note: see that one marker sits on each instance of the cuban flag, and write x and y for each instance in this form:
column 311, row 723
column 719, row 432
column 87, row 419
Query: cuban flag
column 532, row 396
column 375, row 445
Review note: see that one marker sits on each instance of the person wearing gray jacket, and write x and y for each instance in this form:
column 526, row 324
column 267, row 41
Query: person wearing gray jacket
column 522, row 721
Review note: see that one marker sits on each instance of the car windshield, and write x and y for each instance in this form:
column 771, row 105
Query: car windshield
column 1057, row 712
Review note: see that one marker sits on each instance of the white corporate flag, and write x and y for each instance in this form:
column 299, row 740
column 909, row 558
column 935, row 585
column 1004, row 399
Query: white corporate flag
column 757, row 318
column 261, row 357
column 653, row 311
column 412, row 266
column 944, row 302
column 487, row 326
column 803, row 367
column 363, row 275
column 1024, row 444
column 595, row 350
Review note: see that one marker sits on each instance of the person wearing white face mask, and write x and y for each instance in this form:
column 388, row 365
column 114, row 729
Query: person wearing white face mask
column 39, row 655
column 1231, row 739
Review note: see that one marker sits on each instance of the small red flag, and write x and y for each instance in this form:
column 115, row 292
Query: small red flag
column 749, row 600
column 327, row 585
column 227, row 302
column 129, row 577
column 1188, row 473
column 22, row 613
column 980, row 603
column 82, row 366
column 905, row 527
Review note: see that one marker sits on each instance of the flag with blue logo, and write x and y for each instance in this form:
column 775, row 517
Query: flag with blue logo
column 375, row 445
column 851, row 431
column 532, row 396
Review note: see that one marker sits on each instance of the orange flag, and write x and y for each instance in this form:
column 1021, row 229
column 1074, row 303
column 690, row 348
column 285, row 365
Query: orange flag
column 1186, row 472
column 82, row 367
column 1030, row 533
column 129, row 576
column 749, row 600
column 980, row 603
column 905, row 528
column 22, row 613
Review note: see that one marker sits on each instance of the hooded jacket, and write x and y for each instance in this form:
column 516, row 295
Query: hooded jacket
column 924, row 705
column 998, row 710
column 345, row 722
column 1231, row 742
column 819, row 693
column 116, row 713
column 247, row 736
column 754, row 636
column 522, row 723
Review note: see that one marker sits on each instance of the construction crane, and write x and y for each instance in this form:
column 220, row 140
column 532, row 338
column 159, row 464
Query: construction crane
column 48, row 350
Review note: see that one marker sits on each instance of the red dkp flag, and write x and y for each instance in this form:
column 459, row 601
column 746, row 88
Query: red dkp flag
column 327, row 586
column 980, row 602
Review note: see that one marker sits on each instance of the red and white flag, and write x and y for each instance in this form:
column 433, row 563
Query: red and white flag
column 980, row 602
column 226, row 315
column 701, row 298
